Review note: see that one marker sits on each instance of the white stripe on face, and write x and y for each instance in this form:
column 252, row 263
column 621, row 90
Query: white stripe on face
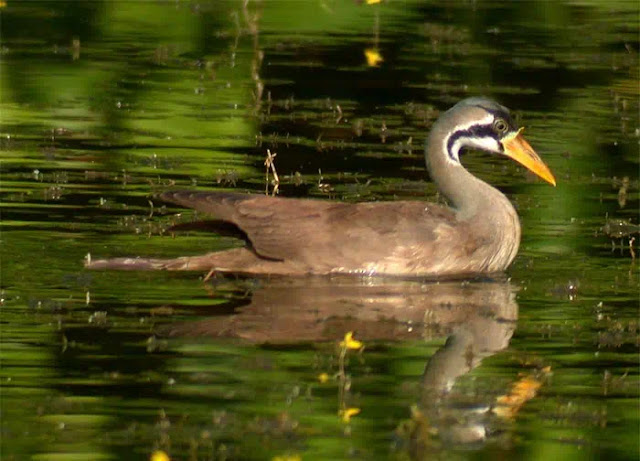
column 485, row 143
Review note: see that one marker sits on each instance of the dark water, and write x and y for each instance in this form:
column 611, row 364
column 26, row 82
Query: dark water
column 105, row 104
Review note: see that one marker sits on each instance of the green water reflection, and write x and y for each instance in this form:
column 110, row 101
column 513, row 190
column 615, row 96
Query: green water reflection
column 104, row 104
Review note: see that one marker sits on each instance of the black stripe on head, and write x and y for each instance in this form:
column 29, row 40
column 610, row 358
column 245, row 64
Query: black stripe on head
column 474, row 131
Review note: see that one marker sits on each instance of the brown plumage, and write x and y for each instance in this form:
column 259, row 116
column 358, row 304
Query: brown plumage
column 480, row 233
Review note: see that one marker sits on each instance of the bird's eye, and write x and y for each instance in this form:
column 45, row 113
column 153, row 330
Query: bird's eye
column 500, row 126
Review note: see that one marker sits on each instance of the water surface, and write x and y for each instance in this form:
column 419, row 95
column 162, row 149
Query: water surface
column 105, row 104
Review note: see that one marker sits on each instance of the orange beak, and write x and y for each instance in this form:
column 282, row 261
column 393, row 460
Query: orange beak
column 518, row 149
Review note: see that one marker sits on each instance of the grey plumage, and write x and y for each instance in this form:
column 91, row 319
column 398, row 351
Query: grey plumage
column 479, row 233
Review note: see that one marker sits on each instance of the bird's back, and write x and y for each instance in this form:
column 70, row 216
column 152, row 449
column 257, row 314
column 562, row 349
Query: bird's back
column 317, row 236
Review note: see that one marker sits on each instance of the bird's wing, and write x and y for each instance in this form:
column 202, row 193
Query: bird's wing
column 277, row 227
column 324, row 233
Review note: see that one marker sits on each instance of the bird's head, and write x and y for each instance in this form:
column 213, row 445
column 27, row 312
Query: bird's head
column 483, row 124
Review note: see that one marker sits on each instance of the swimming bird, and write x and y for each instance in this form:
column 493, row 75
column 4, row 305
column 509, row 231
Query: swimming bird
column 478, row 233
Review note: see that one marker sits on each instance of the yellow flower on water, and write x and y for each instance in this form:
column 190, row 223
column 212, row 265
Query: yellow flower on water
column 159, row 455
column 373, row 2
column 350, row 343
column 507, row 406
column 346, row 415
column 323, row 377
column 373, row 56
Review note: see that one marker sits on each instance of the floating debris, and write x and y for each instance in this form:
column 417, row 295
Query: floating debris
column 620, row 228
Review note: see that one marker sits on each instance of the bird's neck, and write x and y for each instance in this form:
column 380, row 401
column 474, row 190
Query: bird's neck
column 469, row 196
column 489, row 216
column 492, row 217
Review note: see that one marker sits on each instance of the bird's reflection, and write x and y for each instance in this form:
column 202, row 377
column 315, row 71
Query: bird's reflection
column 486, row 329
column 294, row 310
column 477, row 317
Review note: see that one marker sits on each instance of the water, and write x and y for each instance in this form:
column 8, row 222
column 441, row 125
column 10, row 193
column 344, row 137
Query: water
column 105, row 104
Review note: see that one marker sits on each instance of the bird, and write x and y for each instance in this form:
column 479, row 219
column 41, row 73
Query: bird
column 477, row 233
